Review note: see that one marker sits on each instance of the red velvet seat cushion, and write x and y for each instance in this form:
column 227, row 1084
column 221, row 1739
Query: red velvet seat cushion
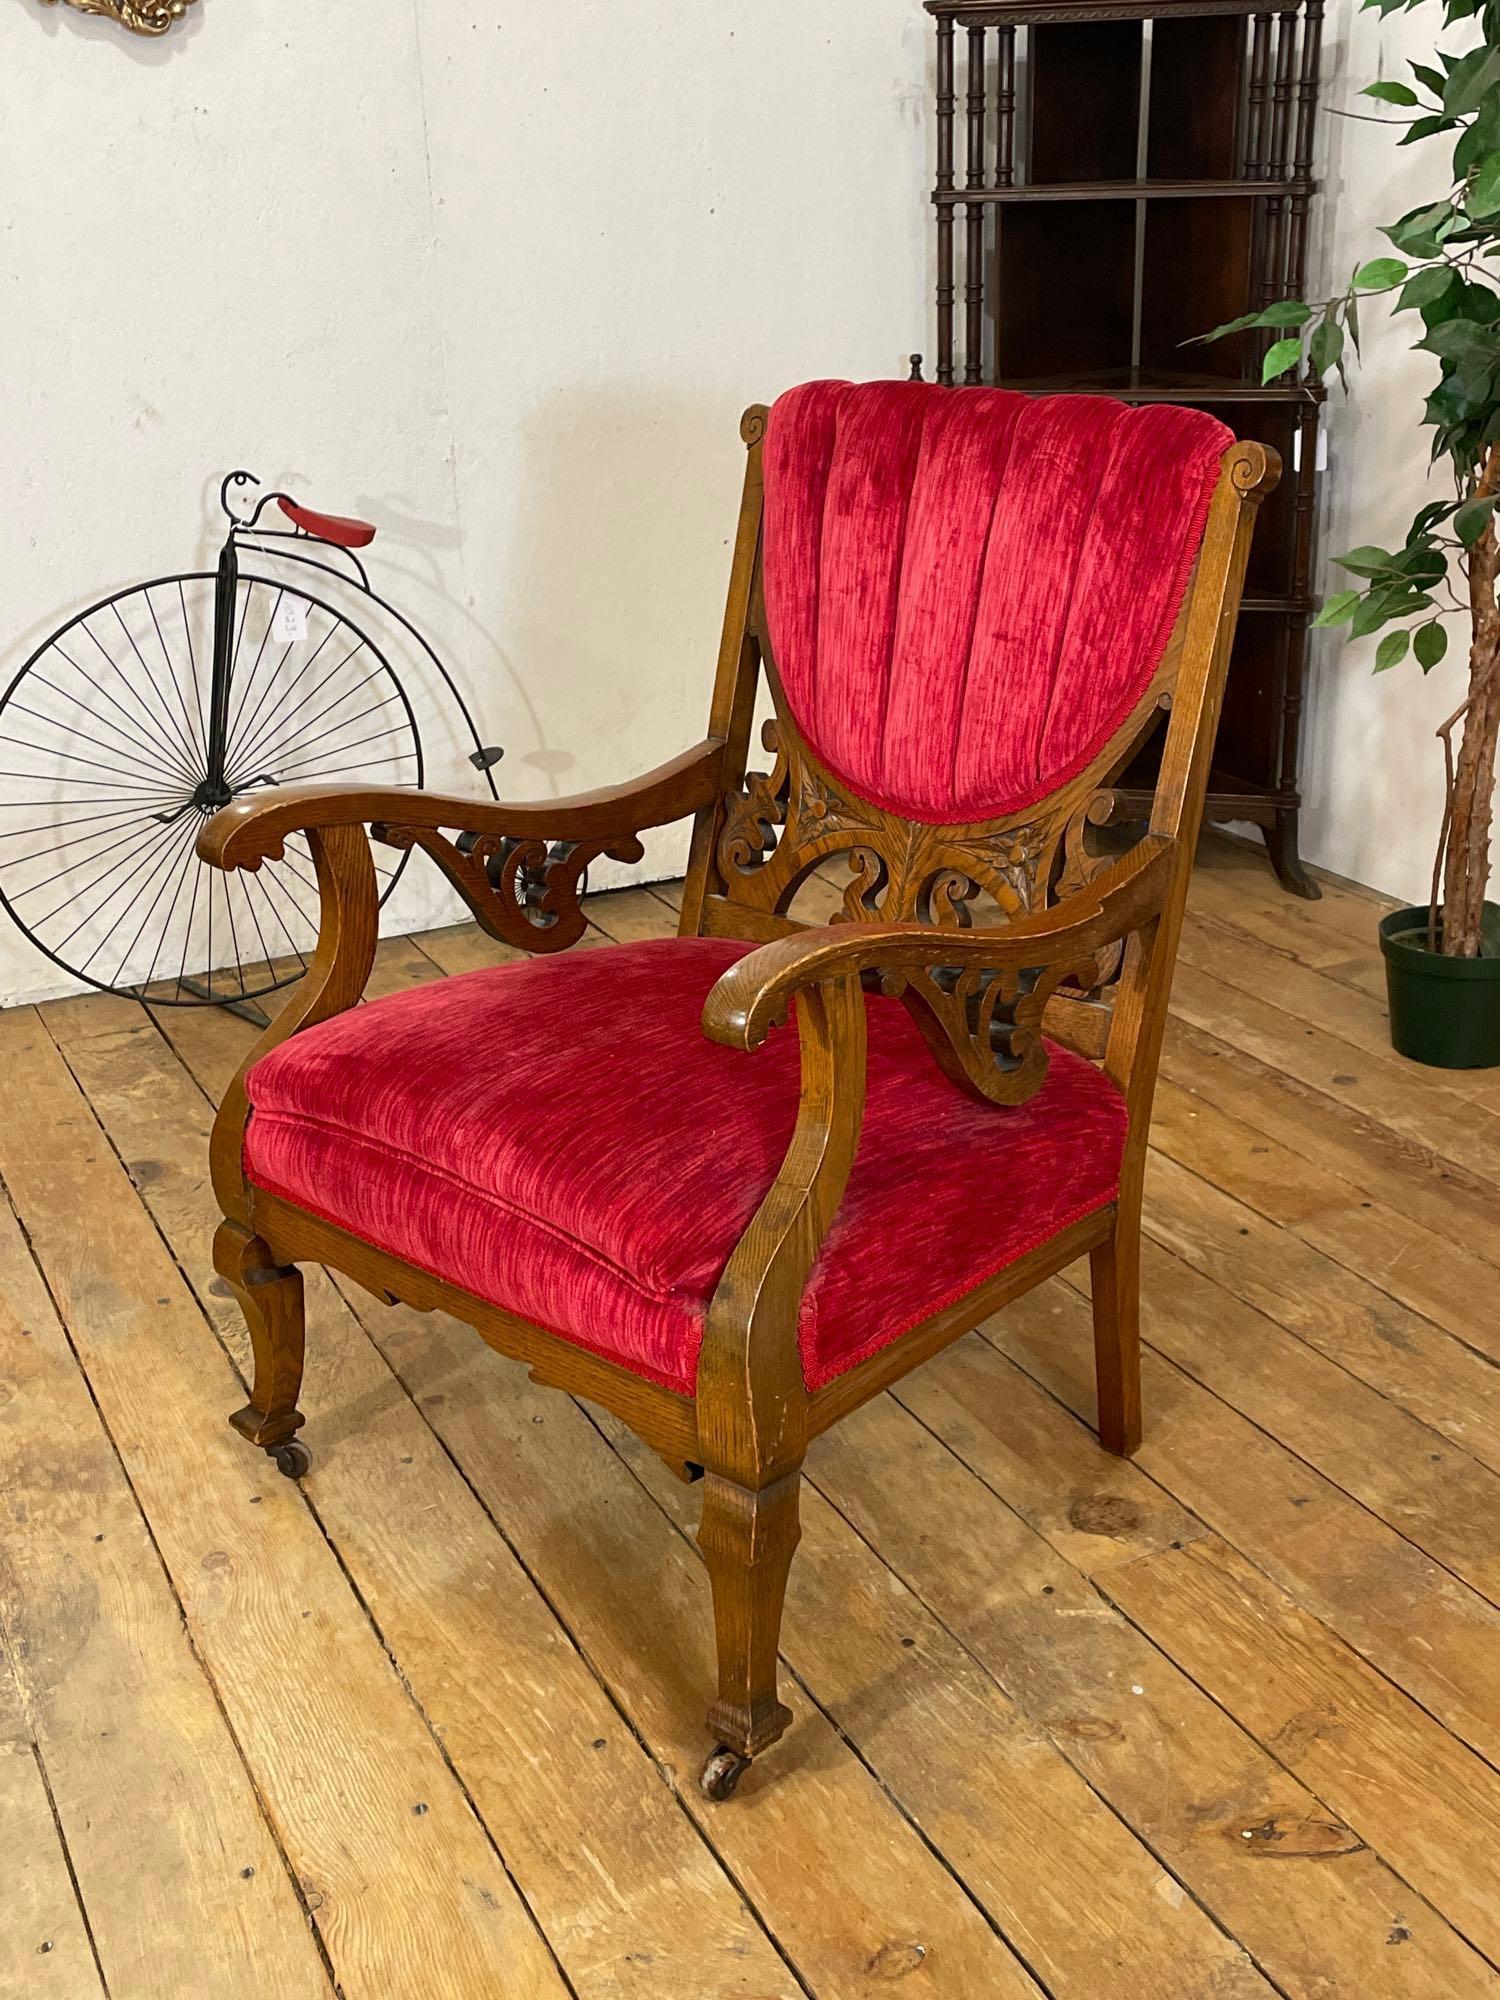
column 970, row 589
column 559, row 1137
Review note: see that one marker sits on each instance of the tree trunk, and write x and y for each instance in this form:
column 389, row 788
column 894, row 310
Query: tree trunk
column 1467, row 864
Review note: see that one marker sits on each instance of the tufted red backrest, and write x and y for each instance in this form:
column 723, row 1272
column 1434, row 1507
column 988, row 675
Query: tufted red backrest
column 969, row 590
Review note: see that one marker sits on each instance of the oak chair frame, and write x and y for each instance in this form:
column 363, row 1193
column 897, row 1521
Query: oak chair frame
column 1093, row 968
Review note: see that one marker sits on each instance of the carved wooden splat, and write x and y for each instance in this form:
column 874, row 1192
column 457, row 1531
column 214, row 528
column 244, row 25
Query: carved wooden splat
column 523, row 891
column 784, row 823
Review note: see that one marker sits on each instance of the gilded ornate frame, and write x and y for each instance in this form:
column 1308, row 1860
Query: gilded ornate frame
column 142, row 17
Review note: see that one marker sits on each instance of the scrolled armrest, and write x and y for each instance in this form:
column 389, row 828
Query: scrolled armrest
column 978, row 994
column 254, row 828
column 518, row 865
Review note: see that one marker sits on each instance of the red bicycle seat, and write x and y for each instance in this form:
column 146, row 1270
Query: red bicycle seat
column 339, row 528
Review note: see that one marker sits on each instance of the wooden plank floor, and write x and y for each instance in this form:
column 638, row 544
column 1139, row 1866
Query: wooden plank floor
column 1221, row 1723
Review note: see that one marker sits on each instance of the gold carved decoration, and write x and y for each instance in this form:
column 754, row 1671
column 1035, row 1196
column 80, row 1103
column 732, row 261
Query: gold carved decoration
column 143, row 17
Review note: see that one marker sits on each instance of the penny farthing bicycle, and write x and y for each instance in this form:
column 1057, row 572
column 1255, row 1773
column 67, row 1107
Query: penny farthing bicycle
column 145, row 714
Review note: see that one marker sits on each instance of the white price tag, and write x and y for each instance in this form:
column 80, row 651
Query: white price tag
column 291, row 620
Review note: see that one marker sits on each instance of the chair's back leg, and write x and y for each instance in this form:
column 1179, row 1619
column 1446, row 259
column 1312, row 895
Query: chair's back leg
column 1115, row 1280
column 270, row 1296
column 748, row 1540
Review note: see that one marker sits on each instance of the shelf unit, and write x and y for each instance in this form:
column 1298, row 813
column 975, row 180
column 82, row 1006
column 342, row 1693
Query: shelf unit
column 1116, row 177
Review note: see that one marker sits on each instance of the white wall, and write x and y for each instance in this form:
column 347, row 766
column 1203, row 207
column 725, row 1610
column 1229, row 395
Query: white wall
column 1372, row 769
column 501, row 277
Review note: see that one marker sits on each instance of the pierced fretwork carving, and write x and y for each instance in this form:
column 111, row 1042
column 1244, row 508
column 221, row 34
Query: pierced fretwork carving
column 523, row 892
column 984, row 1025
column 778, row 830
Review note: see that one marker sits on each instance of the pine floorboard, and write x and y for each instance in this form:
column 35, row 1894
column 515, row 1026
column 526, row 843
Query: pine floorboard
column 1217, row 1724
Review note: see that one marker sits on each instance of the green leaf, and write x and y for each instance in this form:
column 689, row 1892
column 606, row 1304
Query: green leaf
column 1390, row 93
column 1372, row 611
column 1280, row 356
column 1338, row 609
column 1285, row 312
column 1483, row 194
column 1478, row 138
column 1471, row 77
column 1429, row 643
column 1423, row 128
column 1428, row 78
column 1418, row 233
column 1391, row 651
column 1366, row 561
column 1229, row 326
column 1326, row 345
column 1420, row 564
column 1471, row 520
column 1451, row 338
column 1422, row 287
column 1379, row 274
column 1427, row 518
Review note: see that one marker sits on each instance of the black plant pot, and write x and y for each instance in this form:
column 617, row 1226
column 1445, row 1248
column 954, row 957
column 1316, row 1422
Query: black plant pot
column 1444, row 1011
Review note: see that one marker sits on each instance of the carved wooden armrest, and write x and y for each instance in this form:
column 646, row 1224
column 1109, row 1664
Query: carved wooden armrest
column 518, row 866
column 977, row 995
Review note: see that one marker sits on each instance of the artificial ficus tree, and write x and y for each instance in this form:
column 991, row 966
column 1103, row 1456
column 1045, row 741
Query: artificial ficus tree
column 1444, row 271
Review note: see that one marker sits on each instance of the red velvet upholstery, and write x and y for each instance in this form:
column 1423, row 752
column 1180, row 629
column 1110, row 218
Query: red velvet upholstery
column 969, row 589
column 559, row 1137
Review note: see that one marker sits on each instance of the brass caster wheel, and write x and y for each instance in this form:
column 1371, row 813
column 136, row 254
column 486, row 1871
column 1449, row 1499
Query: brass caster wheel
column 722, row 1773
column 292, row 1458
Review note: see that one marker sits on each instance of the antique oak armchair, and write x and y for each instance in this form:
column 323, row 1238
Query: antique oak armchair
column 625, row 1166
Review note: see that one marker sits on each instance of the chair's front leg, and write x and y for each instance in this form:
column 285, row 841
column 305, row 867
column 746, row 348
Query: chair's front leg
column 748, row 1538
column 270, row 1297
column 752, row 1399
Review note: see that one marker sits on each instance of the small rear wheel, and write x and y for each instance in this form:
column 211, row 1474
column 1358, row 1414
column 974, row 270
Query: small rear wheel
column 721, row 1774
column 293, row 1458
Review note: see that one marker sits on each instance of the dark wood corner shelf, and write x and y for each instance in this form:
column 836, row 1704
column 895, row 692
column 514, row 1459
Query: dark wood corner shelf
column 1167, row 386
column 1123, row 191
column 1153, row 160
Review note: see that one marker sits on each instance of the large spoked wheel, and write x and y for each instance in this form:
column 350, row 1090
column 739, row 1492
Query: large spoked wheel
column 106, row 777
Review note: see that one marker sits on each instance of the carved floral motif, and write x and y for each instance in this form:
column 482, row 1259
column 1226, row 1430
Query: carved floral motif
column 784, row 824
column 142, row 17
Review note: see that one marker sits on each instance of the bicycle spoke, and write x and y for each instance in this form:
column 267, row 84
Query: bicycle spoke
column 187, row 857
column 64, row 728
column 94, row 784
column 187, row 934
column 183, row 741
column 69, row 756
column 271, row 688
column 159, row 752
column 239, row 964
column 305, row 742
column 17, row 895
column 166, row 922
column 168, row 837
column 312, row 695
column 260, row 654
column 257, row 882
column 320, row 767
column 58, row 825
column 167, row 661
column 144, row 890
column 187, row 633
